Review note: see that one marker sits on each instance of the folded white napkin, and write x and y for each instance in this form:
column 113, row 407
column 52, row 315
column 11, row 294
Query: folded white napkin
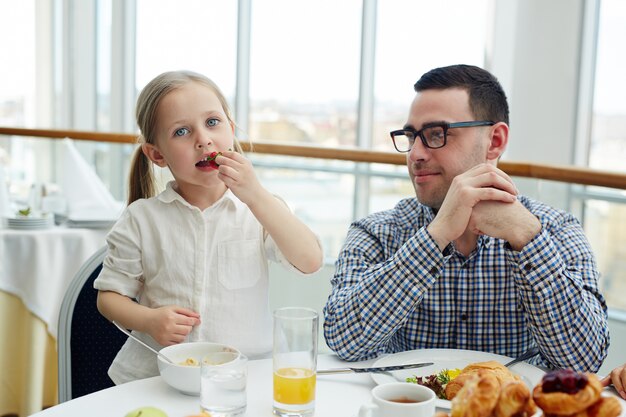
column 86, row 194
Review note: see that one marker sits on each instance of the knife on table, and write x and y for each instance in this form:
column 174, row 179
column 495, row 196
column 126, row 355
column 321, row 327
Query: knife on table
column 374, row 370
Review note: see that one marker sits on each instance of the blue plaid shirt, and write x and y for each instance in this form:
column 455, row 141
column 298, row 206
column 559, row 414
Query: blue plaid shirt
column 394, row 290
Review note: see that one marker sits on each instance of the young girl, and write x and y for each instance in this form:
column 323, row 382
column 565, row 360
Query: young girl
column 191, row 264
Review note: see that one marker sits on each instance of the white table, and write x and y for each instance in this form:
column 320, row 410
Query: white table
column 336, row 395
column 36, row 266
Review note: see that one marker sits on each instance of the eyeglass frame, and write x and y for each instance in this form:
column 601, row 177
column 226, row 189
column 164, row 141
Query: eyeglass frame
column 444, row 125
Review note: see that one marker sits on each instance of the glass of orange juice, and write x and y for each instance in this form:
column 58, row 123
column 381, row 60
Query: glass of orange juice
column 295, row 361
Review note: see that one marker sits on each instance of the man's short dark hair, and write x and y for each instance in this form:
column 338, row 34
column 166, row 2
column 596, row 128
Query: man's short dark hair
column 486, row 97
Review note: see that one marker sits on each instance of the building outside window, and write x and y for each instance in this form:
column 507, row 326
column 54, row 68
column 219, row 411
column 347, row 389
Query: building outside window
column 605, row 219
column 315, row 78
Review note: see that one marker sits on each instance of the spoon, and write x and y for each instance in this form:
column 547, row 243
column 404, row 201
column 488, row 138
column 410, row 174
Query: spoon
column 129, row 334
column 532, row 352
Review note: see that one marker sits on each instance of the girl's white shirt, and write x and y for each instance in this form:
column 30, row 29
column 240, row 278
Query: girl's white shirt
column 164, row 251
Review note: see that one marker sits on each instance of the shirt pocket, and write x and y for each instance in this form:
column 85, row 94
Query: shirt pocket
column 239, row 263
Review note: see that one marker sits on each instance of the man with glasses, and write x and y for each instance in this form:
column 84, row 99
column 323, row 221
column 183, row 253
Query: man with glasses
column 468, row 263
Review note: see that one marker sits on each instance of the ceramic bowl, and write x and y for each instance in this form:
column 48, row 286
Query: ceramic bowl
column 184, row 373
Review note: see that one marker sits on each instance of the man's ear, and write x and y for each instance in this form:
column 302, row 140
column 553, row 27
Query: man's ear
column 499, row 141
column 153, row 154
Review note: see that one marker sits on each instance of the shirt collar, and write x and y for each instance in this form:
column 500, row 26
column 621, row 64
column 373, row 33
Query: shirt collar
column 169, row 195
column 416, row 213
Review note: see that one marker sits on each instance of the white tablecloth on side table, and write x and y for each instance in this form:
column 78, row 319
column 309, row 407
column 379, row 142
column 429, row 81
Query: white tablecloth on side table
column 36, row 267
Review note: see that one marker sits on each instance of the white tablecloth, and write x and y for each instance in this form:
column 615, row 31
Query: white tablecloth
column 336, row 395
column 38, row 265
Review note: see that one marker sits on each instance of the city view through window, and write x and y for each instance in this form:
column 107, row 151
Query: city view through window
column 605, row 222
column 304, row 88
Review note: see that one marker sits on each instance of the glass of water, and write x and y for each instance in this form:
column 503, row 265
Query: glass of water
column 223, row 384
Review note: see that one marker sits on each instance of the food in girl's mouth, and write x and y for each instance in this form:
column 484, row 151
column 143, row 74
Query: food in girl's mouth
column 209, row 160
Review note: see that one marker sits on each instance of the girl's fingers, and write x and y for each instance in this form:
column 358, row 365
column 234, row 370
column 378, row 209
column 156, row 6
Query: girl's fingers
column 606, row 381
column 236, row 156
column 230, row 158
column 228, row 175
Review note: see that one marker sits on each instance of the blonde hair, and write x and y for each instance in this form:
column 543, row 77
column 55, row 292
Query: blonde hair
column 141, row 181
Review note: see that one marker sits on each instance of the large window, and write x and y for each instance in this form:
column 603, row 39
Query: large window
column 18, row 106
column 413, row 37
column 304, row 71
column 195, row 35
column 323, row 72
column 608, row 138
column 340, row 78
column 17, row 72
column 605, row 220
column 309, row 84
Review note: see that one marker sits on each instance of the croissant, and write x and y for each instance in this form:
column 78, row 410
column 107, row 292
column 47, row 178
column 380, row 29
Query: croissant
column 564, row 404
column 501, row 372
column 530, row 408
column 514, row 396
column 454, row 386
column 604, row 407
column 478, row 397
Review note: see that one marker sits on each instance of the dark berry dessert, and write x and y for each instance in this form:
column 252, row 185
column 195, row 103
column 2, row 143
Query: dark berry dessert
column 564, row 380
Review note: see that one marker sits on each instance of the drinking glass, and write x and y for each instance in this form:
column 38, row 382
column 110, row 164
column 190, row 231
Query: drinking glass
column 295, row 361
column 223, row 384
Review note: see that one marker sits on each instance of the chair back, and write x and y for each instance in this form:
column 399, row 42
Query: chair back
column 87, row 342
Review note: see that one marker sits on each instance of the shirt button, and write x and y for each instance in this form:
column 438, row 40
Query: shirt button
column 528, row 267
column 463, row 316
column 434, row 271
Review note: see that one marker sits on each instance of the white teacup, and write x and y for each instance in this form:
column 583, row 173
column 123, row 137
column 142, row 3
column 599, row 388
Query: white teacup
column 400, row 399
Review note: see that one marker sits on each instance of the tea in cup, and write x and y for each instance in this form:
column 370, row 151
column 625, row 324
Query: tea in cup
column 400, row 399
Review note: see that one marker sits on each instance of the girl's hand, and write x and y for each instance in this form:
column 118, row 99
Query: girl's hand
column 618, row 379
column 237, row 173
column 170, row 325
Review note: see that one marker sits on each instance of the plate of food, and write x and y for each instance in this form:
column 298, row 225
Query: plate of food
column 447, row 366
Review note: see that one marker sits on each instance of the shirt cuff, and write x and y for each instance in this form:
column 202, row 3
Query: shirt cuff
column 537, row 262
column 421, row 257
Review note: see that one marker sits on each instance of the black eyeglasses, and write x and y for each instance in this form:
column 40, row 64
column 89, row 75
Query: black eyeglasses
column 432, row 135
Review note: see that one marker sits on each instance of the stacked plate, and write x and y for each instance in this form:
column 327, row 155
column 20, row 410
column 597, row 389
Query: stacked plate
column 29, row 223
column 90, row 223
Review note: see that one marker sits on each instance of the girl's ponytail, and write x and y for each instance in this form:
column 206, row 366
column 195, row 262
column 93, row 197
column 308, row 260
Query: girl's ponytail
column 141, row 182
